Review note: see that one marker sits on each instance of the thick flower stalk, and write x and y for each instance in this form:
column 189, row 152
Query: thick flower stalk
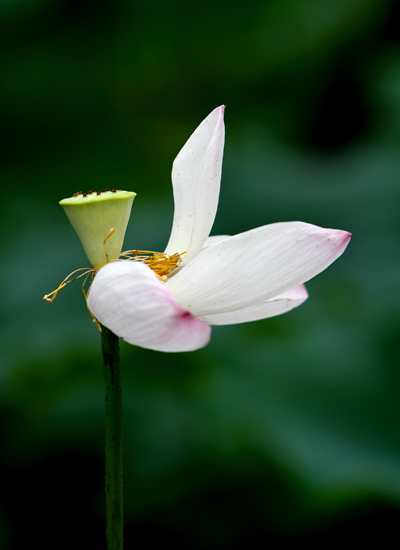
column 100, row 219
column 168, row 301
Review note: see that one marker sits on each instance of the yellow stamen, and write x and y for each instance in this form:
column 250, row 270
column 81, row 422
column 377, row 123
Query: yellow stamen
column 159, row 262
column 66, row 281
column 87, row 270
column 85, row 295
column 112, row 230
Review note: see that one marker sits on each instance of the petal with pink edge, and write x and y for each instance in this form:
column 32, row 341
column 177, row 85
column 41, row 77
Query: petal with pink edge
column 254, row 266
column 196, row 178
column 129, row 299
column 270, row 308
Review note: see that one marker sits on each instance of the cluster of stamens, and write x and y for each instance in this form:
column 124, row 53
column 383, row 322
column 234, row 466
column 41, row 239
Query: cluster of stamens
column 94, row 192
column 160, row 263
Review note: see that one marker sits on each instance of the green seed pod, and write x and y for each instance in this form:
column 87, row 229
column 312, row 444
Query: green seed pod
column 100, row 220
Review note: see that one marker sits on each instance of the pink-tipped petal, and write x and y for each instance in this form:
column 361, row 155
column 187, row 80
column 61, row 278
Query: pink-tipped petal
column 254, row 266
column 129, row 299
column 269, row 308
column 196, row 178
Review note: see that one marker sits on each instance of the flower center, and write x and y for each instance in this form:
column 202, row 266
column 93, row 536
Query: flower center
column 160, row 263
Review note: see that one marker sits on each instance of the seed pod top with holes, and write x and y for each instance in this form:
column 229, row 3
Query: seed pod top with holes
column 100, row 220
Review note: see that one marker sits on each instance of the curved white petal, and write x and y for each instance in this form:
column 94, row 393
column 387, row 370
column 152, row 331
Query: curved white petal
column 196, row 178
column 129, row 299
column 254, row 266
column 269, row 308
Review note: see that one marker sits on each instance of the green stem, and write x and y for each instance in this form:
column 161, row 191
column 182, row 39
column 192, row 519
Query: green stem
column 113, row 414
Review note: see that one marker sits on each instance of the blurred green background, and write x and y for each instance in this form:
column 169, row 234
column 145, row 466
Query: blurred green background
column 283, row 430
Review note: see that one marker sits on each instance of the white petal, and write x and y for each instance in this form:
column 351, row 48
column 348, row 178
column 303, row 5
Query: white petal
column 196, row 178
column 211, row 241
column 129, row 299
column 254, row 266
column 270, row 308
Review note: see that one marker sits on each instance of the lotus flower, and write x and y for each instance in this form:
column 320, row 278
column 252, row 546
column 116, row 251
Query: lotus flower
column 217, row 280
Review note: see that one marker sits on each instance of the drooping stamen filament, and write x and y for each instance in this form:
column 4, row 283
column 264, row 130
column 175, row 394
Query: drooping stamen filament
column 67, row 280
